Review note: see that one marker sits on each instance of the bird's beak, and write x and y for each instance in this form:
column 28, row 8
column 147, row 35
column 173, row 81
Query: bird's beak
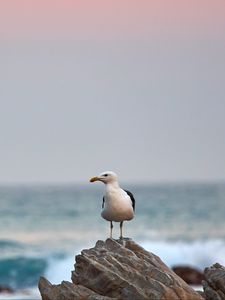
column 93, row 179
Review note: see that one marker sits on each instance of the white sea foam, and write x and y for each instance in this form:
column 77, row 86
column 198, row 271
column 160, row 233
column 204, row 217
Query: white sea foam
column 199, row 254
column 60, row 269
column 29, row 294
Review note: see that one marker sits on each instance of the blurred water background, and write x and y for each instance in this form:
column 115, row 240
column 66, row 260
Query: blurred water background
column 43, row 227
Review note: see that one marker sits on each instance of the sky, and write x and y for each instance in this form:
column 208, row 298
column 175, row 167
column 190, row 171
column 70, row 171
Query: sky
column 137, row 87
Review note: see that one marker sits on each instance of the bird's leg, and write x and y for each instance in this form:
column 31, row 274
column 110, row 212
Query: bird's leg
column 121, row 230
column 111, row 228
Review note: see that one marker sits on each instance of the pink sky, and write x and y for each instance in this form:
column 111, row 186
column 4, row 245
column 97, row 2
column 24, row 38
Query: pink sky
column 108, row 18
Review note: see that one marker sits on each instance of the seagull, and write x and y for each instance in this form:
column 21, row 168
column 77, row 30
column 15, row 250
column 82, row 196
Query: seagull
column 118, row 205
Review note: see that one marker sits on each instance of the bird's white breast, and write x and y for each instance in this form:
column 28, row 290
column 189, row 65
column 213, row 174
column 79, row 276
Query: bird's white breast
column 118, row 205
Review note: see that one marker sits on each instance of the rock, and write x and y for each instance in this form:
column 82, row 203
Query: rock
column 119, row 270
column 6, row 289
column 189, row 275
column 66, row 291
column 214, row 283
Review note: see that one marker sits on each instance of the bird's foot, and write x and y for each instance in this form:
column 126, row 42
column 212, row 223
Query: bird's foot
column 122, row 238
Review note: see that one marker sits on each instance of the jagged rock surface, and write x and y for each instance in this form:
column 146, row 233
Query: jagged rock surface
column 214, row 283
column 67, row 291
column 119, row 270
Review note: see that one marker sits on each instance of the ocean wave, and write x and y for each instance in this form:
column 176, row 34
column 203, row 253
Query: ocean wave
column 6, row 244
column 24, row 272
column 21, row 272
column 60, row 269
column 197, row 253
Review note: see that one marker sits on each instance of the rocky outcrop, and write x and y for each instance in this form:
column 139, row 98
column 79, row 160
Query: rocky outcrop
column 214, row 283
column 189, row 274
column 119, row 270
column 67, row 291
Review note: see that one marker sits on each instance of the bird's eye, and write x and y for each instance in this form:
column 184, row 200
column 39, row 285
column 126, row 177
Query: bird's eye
column 105, row 175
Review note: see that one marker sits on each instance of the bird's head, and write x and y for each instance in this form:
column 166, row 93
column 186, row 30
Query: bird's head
column 106, row 177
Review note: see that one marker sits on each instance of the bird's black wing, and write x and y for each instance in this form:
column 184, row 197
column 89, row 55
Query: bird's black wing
column 132, row 198
column 103, row 202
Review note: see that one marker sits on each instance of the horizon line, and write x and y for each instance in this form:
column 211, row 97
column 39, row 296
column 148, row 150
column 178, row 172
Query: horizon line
column 129, row 182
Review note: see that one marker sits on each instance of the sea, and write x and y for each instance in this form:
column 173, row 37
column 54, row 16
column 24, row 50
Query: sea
column 44, row 226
